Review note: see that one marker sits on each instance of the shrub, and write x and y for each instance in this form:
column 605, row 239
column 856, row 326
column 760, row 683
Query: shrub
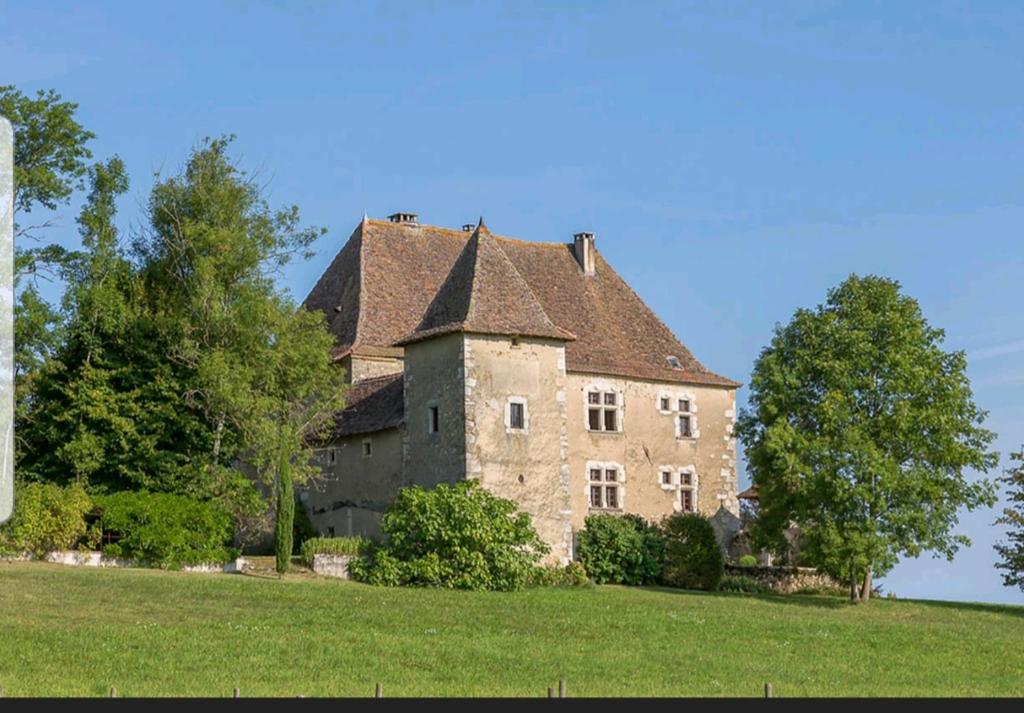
column 621, row 549
column 454, row 536
column 748, row 561
column 165, row 530
column 571, row 575
column 333, row 546
column 741, row 583
column 46, row 518
column 693, row 559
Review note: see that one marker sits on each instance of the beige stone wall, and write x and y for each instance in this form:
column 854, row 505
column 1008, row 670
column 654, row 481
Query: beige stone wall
column 363, row 367
column 354, row 490
column 528, row 465
column 434, row 376
column 648, row 442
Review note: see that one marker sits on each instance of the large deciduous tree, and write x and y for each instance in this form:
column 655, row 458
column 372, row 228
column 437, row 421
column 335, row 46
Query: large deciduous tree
column 861, row 430
column 1011, row 552
column 262, row 366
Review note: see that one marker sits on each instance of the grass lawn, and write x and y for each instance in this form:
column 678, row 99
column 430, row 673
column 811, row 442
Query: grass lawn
column 68, row 631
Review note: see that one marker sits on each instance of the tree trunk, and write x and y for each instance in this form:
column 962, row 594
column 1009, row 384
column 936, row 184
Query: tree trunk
column 854, row 593
column 865, row 592
column 285, row 515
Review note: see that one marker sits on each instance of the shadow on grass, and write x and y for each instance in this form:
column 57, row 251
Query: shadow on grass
column 817, row 601
column 832, row 601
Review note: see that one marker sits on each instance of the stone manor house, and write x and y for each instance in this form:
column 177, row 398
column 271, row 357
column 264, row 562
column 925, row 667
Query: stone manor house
column 532, row 367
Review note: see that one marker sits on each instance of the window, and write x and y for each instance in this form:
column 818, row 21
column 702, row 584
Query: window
column 664, row 404
column 602, row 411
column 687, row 491
column 515, row 416
column 367, row 448
column 666, row 477
column 330, row 532
column 686, row 419
column 434, row 420
column 330, row 455
column 603, row 487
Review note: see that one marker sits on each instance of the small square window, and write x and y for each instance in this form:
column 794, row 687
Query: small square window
column 684, row 405
column 664, row 403
column 595, row 474
column 685, row 430
column 686, row 478
column 609, row 399
column 594, row 397
column 666, row 477
column 611, row 474
column 516, row 418
column 367, row 448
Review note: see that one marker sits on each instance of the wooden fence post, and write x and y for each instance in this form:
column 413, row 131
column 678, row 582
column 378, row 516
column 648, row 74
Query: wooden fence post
column 113, row 692
column 767, row 690
column 234, row 694
column 378, row 692
column 551, row 692
column 561, row 688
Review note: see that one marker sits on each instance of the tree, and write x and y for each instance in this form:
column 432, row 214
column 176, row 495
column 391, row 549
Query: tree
column 262, row 367
column 50, row 163
column 1012, row 552
column 859, row 430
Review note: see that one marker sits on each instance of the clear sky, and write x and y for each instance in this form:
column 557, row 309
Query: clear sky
column 734, row 159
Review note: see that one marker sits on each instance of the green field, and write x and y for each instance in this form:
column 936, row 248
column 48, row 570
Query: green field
column 69, row 631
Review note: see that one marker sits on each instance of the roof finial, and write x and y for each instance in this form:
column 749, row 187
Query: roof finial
column 366, row 218
column 481, row 223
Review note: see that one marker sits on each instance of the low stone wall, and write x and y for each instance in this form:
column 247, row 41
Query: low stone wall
column 87, row 558
column 332, row 565
column 785, row 580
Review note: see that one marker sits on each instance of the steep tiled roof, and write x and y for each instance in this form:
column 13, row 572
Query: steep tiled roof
column 485, row 294
column 371, row 405
column 381, row 286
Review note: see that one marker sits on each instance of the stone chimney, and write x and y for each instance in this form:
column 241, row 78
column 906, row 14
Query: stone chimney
column 583, row 246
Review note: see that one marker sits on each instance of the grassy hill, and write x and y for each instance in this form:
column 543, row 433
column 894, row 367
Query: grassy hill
column 68, row 631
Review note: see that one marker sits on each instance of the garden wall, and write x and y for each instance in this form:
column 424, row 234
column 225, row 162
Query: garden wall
column 785, row 580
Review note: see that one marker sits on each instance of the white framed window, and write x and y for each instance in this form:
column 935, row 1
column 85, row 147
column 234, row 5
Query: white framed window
column 681, row 483
column 683, row 409
column 517, row 417
column 604, row 409
column 367, row 447
column 605, row 486
column 433, row 419
column 687, row 491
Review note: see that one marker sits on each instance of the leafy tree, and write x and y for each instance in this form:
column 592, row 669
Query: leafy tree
column 50, row 163
column 1012, row 552
column 860, row 430
column 693, row 559
column 262, row 366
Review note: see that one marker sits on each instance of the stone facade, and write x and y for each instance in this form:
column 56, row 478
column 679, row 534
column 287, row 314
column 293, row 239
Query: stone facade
column 446, row 334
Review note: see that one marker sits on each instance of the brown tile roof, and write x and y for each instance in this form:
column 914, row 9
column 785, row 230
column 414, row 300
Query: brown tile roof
column 371, row 405
column 485, row 294
column 381, row 285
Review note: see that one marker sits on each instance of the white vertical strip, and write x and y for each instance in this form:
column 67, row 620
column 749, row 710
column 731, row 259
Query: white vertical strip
column 6, row 319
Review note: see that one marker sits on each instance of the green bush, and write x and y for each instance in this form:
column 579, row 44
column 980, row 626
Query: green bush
column 571, row 575
column 748, row 561
column 621, row 549
column 165, row 530
column 333, row 546
column 46, row 518
column 741, row 583
column 693, row 559
column 454, row 536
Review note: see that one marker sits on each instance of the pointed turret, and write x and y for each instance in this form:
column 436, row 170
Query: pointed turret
column 485, row 294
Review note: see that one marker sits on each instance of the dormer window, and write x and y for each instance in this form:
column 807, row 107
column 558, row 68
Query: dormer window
column 674, row 362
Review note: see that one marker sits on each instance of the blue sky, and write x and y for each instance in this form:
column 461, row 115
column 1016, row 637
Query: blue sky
column 734, row 159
